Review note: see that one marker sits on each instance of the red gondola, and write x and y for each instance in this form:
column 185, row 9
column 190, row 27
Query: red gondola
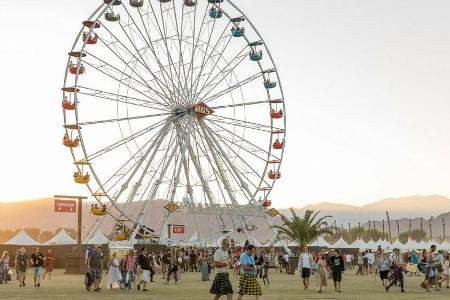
column 73, row 69
column 68, row 142
column 67, row 105
column 278, row 145
column 276, row 114
column 274, row 175
column 90, row 39
column 267, row 203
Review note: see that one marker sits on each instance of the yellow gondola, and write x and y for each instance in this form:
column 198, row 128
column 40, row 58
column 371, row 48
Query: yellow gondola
column 80, row 178
column 98, row 210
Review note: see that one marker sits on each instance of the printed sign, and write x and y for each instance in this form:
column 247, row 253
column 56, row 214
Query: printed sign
column 69, row 206
column 202, row 110
column 177, row 228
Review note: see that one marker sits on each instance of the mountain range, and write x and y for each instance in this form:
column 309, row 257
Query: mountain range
column 40, row 213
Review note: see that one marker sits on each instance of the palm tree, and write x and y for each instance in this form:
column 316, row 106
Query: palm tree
column 302, row 230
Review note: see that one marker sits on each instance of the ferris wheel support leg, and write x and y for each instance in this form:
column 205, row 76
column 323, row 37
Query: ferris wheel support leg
column 205, row 185
column 223, row 175
column 184, row 141
column 191, row 196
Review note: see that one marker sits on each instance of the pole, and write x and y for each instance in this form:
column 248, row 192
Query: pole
column 359, row 230
column 409, row 230
column 398, row 230
column 383, row 229
column 374, row 227
column 443, row 230
column 421, row 229
column 389, row 226
column 168, row 231
column 369, row 224
column 80, row 213
column 431, row 233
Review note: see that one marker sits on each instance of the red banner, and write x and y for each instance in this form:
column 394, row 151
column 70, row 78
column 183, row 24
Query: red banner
column 69, row 206
column 177, row 228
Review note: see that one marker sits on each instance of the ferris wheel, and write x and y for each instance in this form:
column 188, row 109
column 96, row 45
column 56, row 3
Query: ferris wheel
column 176, row 102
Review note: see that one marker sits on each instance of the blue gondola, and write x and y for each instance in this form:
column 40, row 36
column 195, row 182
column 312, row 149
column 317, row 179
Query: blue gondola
column 237, row 32
column 255, row 56
column 269, row 84
column 215, row 13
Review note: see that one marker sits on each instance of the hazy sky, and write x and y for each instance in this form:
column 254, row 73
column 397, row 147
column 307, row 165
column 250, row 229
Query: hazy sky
column 366, row 86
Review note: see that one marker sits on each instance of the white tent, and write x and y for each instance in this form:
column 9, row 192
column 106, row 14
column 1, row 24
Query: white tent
column 320, row 242
column 62, row 238
column 358, row 244
column 341, row 244
column 293, row 244
column 444, row 246
column 411, row 245
column 22, row 239
column 371, row 245
column 422, row 245
column 98, row 238
column 398, row 245
column 385, row 244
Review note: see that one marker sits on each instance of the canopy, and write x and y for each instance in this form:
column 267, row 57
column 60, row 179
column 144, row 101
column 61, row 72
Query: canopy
column 320, row 242
column 62, row 238
column 385, row 244
column 98, row 238
column 444, row 246
column 22, row 238
column 411, row 245
column 398, row 245
column 293, row 244
column 371, row 245
column 359, row 244
column 422, row 245
column 341, row 244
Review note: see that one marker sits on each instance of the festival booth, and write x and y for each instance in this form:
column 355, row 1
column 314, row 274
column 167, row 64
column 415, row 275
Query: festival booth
column 371, row 245
column 358, row 244
column 398, row 245
column 444, row 246
column 320, row 243
column 62, row 238
column 422, row 245
column 99, row 238
column 22, row 239
column 411, row 245
column 341, row 244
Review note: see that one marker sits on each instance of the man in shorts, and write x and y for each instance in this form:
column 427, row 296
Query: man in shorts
column 95, row 266
column 144, row 269
column 221, row 284
column 305, row 262
column 37, row 262
column 21, row 262
column 337, row 267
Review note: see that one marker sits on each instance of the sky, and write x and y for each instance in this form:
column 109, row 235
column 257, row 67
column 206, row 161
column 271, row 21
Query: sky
column 365, row 82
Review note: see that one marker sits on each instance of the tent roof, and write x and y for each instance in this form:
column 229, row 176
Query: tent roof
column 22, row 238
column 359, row 243
column 444, row 246
column 62, row 238
column 341, row 243
column 398, row 245
column 411, row 245
column 320, row 242
column 422, row 245
column 371, row 245
column 98, row 238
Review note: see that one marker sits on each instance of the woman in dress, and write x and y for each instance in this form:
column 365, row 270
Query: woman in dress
column 446, row 269
column 4, row 267
column 204, row 266
column 322, row 265
column 49, row 261
column 114, row 274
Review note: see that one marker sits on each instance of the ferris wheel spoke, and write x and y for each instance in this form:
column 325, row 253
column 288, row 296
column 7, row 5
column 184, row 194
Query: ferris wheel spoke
column 122, row 119
column 135, row 59
column 121, row 98
column 124, row 140
column 147, row 42
column 253, row 148
column 206, row 57
column 231, row 88
column 140, row 82
column 241, row 104
column 243, row 123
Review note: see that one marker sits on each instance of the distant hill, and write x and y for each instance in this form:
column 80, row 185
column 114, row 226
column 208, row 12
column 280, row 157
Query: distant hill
column 40, row 214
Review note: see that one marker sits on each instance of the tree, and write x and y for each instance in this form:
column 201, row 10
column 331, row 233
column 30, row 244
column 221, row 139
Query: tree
column 302, row 230
column 416, row 234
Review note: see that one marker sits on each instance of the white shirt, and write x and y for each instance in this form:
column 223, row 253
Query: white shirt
column 370, row 258
column 286, row 258
column 221, row 256
column 305, row 260
column 348, row 258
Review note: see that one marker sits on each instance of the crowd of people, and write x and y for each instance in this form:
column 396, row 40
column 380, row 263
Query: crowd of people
column 136, row 269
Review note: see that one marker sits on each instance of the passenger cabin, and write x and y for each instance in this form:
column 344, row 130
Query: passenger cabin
column 269, row 84
column 80, row 178
column 266, row 203
column 111, row 16
column 114, row 2
column 90, row 39
column 215, row 13
column 136, row 3
column 276, row 114
column 255, row 55
column 73, row 68
column 278, row 145
column 215, row 1
column 190, row 3
column 237, row 31
column 274, row 175
column 98, row 210
column 68, row 142
column 67, row 105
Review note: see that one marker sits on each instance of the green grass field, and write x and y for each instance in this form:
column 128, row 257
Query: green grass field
column 282, row 286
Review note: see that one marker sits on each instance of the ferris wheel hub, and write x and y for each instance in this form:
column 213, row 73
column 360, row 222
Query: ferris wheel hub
column 201, row 110
column 181, row 111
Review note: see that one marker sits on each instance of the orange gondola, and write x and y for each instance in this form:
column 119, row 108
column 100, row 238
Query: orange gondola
column 68, row 142
column 267, row 203
column 67, row 105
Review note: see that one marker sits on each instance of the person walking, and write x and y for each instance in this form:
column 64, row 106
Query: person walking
column 95, row 266
column 384, row 265
column 431, row 272
column 397, row 274
column 222, row 285
column 360, row 261
column 130, row 268
column 286, row 262
column 4, row 267
column 172, row 267
column 322, row 270
column 114, row 274
column 305, row 262
column 49, row 263
column 204, row 266
column 248, row 285
column 144, row 269
column 337, row 268
column 37, row 262
column 446, row 269
column 21, row 262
